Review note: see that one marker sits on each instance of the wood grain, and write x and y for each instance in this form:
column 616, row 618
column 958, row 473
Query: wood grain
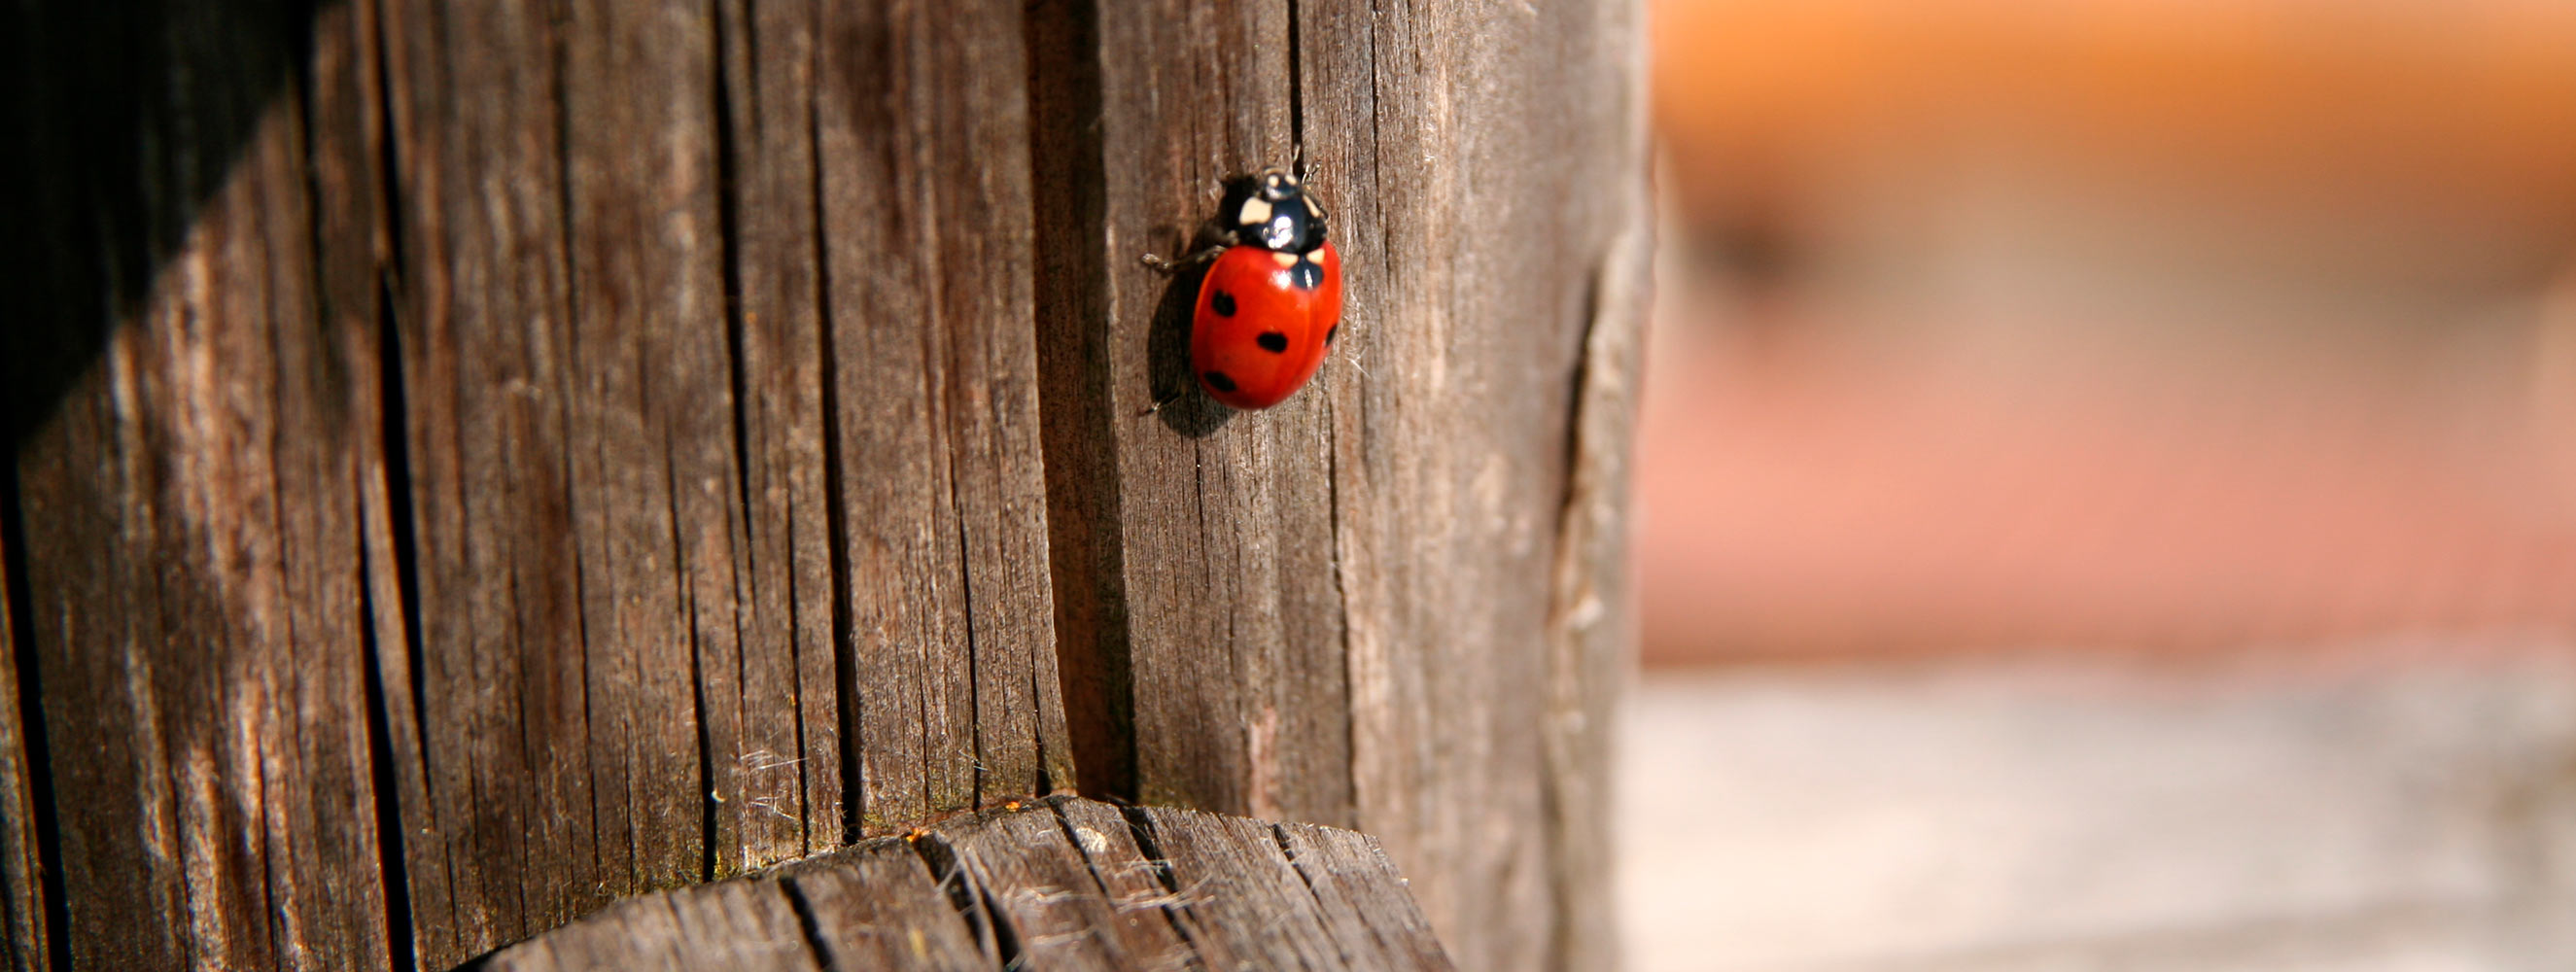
column 1394, row 601
column 717, row 352
column 49, row 264
column 483, row 316
column 878, row 907
column 1231, row 874
column 1205, row 536
column 647, row 397
column 483, row 461
column 1149, row 921
column 25, row 939
column 189, row 515
column 1364, row 912
column 749, row 926
column 1033, row 875
column 925, row 201
column 1591, row 623
column 790, row 775
column 1477, row 248
column 1048, row 885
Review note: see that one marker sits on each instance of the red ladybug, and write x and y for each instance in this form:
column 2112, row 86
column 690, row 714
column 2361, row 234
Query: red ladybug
column 1272, row 302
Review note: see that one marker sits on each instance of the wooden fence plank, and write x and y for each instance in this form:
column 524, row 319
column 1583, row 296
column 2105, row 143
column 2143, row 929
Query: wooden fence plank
column 353, row 259
column 1213, row 543
column 122, row 885
column 1146, row 916
column 482, row 318
column 1591, row 623
column 1476, row 241
column 626, row 488
column 647, row 437
column 789, row 640
column 122, row 768
column 922, row 126
column 326, row 883
column 50, row 264
column 1259, row 589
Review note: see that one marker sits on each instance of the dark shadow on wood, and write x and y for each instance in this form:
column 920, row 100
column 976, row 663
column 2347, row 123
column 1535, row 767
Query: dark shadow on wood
column 127, row 118
column 394, row 441
column 1076, row 400
column 380, row 757
column 53, row 917
column 1187, row 409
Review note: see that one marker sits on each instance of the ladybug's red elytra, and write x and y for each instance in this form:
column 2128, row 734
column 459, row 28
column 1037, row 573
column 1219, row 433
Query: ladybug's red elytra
column 1272, row 302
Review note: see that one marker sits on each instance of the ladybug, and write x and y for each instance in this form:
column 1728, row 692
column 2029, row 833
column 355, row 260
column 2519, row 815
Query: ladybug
column 1271, row 303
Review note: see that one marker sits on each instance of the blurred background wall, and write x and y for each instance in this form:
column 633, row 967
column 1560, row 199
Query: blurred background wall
column 2056, row 404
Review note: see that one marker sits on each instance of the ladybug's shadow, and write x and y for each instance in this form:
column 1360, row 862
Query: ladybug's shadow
column 1187, row 409
column 1167, row 344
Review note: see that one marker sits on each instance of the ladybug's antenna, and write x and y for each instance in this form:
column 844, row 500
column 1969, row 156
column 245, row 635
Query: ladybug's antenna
column 1305, row 170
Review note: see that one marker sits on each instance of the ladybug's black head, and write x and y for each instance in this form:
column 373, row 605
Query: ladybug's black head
column 1272, row 211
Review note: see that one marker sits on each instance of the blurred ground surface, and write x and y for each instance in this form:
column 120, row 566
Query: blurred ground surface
column 2383, row 812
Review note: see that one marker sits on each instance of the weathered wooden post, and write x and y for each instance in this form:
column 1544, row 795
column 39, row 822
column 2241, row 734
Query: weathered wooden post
column 474, row 462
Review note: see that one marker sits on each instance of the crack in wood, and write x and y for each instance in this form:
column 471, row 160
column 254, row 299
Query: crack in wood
column 1288, row 853
column 391, row 502
column 49, row 928
column 390, row 861
column 1076, row 397
column 1584, row 572
column 956, row 878
column 747, row 566
column 815, row 944
column 1296, row 95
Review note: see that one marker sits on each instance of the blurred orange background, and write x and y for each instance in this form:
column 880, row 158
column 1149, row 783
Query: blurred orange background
column 2107, row 489
column 2128, row 326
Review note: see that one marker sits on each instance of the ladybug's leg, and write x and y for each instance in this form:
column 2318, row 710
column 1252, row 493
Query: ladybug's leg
column 1160, row 402
column 1164, row 266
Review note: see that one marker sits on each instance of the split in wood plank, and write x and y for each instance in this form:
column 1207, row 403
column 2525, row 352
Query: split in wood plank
column 1060, row 883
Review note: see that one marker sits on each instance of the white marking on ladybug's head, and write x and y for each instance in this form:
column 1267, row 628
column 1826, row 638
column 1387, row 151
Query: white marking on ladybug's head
column 1277, row 184
column 1256, row 211
column 1285, row 259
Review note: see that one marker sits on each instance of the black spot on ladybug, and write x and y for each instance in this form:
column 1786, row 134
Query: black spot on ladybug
column 1273, row 342
column 1218, row 381
column 1331, row 331
column 1222, row 303
column 1307, row 274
